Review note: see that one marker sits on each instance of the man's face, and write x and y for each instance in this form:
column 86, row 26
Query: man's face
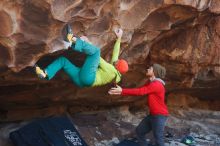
column 150, row 72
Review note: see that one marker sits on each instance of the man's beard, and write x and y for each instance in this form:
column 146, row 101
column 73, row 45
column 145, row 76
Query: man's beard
column 148, row 76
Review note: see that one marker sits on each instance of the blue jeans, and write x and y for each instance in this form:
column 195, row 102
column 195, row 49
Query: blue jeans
column 84, row 76
column 156, row 124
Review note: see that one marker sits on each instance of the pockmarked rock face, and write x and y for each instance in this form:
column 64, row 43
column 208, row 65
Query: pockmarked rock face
column 182, row 35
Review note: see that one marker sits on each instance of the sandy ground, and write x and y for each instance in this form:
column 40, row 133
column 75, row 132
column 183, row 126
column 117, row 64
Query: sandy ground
column 106, row 128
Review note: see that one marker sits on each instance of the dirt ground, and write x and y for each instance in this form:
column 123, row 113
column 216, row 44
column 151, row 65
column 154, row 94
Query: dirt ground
column 106, row 128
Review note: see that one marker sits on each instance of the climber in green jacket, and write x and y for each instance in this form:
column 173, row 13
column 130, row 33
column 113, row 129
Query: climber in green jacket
column 95, row 71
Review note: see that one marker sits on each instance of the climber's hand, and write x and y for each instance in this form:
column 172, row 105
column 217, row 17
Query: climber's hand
column 118, row 33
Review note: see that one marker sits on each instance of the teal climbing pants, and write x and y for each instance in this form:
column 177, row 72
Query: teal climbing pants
column 82, row 76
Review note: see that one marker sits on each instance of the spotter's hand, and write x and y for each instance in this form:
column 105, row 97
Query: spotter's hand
column 115, row 90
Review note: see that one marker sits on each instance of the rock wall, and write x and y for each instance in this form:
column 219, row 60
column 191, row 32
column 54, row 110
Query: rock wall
column 182, row 35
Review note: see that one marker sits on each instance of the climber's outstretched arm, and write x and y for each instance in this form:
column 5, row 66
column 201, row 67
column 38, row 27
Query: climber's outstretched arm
column 116, row 49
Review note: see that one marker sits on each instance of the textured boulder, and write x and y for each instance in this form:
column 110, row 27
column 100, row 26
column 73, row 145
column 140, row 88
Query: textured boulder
column 182, row 35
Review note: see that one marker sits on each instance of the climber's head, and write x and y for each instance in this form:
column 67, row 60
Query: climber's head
column 122, row 66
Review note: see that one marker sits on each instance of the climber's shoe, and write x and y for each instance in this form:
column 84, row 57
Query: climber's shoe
column 69, row 33
column 40, row 73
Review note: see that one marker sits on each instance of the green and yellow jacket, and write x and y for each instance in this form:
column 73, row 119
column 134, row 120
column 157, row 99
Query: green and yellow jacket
column 106, row 72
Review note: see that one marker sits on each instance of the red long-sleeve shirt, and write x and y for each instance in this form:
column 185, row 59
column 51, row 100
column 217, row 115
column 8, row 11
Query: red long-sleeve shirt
column 156, row 96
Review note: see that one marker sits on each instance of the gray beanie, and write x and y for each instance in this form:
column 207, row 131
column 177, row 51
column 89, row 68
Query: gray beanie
column 159, row 71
